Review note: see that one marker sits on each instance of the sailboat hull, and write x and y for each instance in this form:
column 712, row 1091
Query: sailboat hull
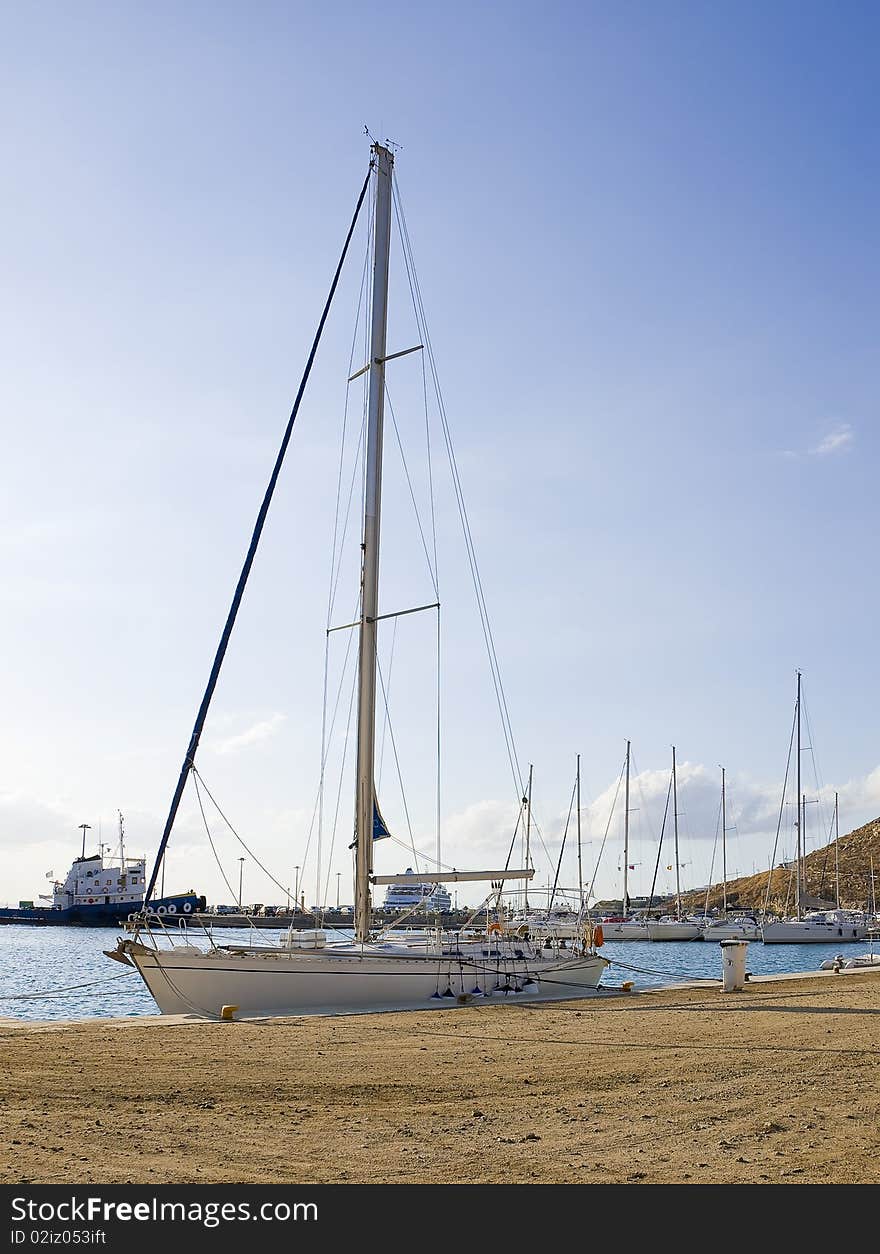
column 812, row 931
column 626, row 929
column 674, row 931
column 733, row 929
column 346, row 980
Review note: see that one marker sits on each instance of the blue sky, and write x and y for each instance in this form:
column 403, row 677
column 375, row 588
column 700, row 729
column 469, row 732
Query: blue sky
column 646, row 242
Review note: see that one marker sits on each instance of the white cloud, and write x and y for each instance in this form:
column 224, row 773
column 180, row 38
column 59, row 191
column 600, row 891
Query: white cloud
column 859, row 795
column 37, row 835
column 475, row 838
column 838, row 439
column 253, row 735
column 30, row 821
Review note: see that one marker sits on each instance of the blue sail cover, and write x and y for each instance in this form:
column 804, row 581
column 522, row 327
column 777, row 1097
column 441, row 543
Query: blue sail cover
column 380, row 831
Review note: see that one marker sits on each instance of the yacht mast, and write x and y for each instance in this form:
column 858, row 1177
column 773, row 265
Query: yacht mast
column 383, row 164
column 836, row 852
column 724, row 842
column 804, row 843
column 798, row 860
column 527, row 862
column 625, row 903
column 675, row 829
column 580, row 864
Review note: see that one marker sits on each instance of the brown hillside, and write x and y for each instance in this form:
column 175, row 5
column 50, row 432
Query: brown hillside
column 855, row 853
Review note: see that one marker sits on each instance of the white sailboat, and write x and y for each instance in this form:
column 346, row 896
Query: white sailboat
column 674, row 927
column 812, row 926
column 627, row 927
column 736, row 925
column 558, row 919
column 305, row 974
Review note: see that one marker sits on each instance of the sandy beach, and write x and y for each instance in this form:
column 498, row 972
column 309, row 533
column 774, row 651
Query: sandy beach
column 777, row 1083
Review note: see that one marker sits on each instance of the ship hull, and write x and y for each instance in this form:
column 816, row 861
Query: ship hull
column 100, row 915
column 347, row 980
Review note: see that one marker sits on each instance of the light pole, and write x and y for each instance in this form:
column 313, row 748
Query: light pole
column 296, row 891
column 240, row 874
column 338, row 875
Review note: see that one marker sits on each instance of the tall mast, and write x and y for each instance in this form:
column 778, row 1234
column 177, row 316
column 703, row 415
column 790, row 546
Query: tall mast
column 836, row 852
column 724, row 841
column 798, row 860
column 383, row 164
column 625, row 903
column 675, row 829
column 804, row 843
column 121, row 841
column 528, row 838
column 580, row 864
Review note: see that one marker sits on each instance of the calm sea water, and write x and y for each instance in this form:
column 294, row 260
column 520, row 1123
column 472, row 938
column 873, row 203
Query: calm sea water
column 62, row 973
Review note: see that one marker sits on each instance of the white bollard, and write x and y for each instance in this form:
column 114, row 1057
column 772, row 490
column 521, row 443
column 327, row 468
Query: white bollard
column 733, row 964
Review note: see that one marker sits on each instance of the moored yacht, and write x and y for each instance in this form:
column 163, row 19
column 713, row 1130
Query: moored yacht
column 733, row 927
column 671, row 927
column 558, row 921
column 620, row 928
column 818, row 926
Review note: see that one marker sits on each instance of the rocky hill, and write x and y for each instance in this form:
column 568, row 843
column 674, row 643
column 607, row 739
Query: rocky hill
column 854, row 856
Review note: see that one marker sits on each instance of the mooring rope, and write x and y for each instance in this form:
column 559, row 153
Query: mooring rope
column 57, row 992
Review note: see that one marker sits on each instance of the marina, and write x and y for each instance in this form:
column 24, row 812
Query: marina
column 35, row 960
column 438, row 548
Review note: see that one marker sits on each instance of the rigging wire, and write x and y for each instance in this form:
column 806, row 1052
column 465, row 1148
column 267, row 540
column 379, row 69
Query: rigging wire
column 189, row 759
column 200, row 779
column 385, row 713
column 781, row 813
column 820, row 787
column 643, row 810
column 211, row 840
column 411, row 493
column 418, row 307
column 397, row 761
column 608, row 824
column 660, row 843
column 324, row 898
column 712, row 859
column 324, row 749
column 338, row 544
column 562, row 846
